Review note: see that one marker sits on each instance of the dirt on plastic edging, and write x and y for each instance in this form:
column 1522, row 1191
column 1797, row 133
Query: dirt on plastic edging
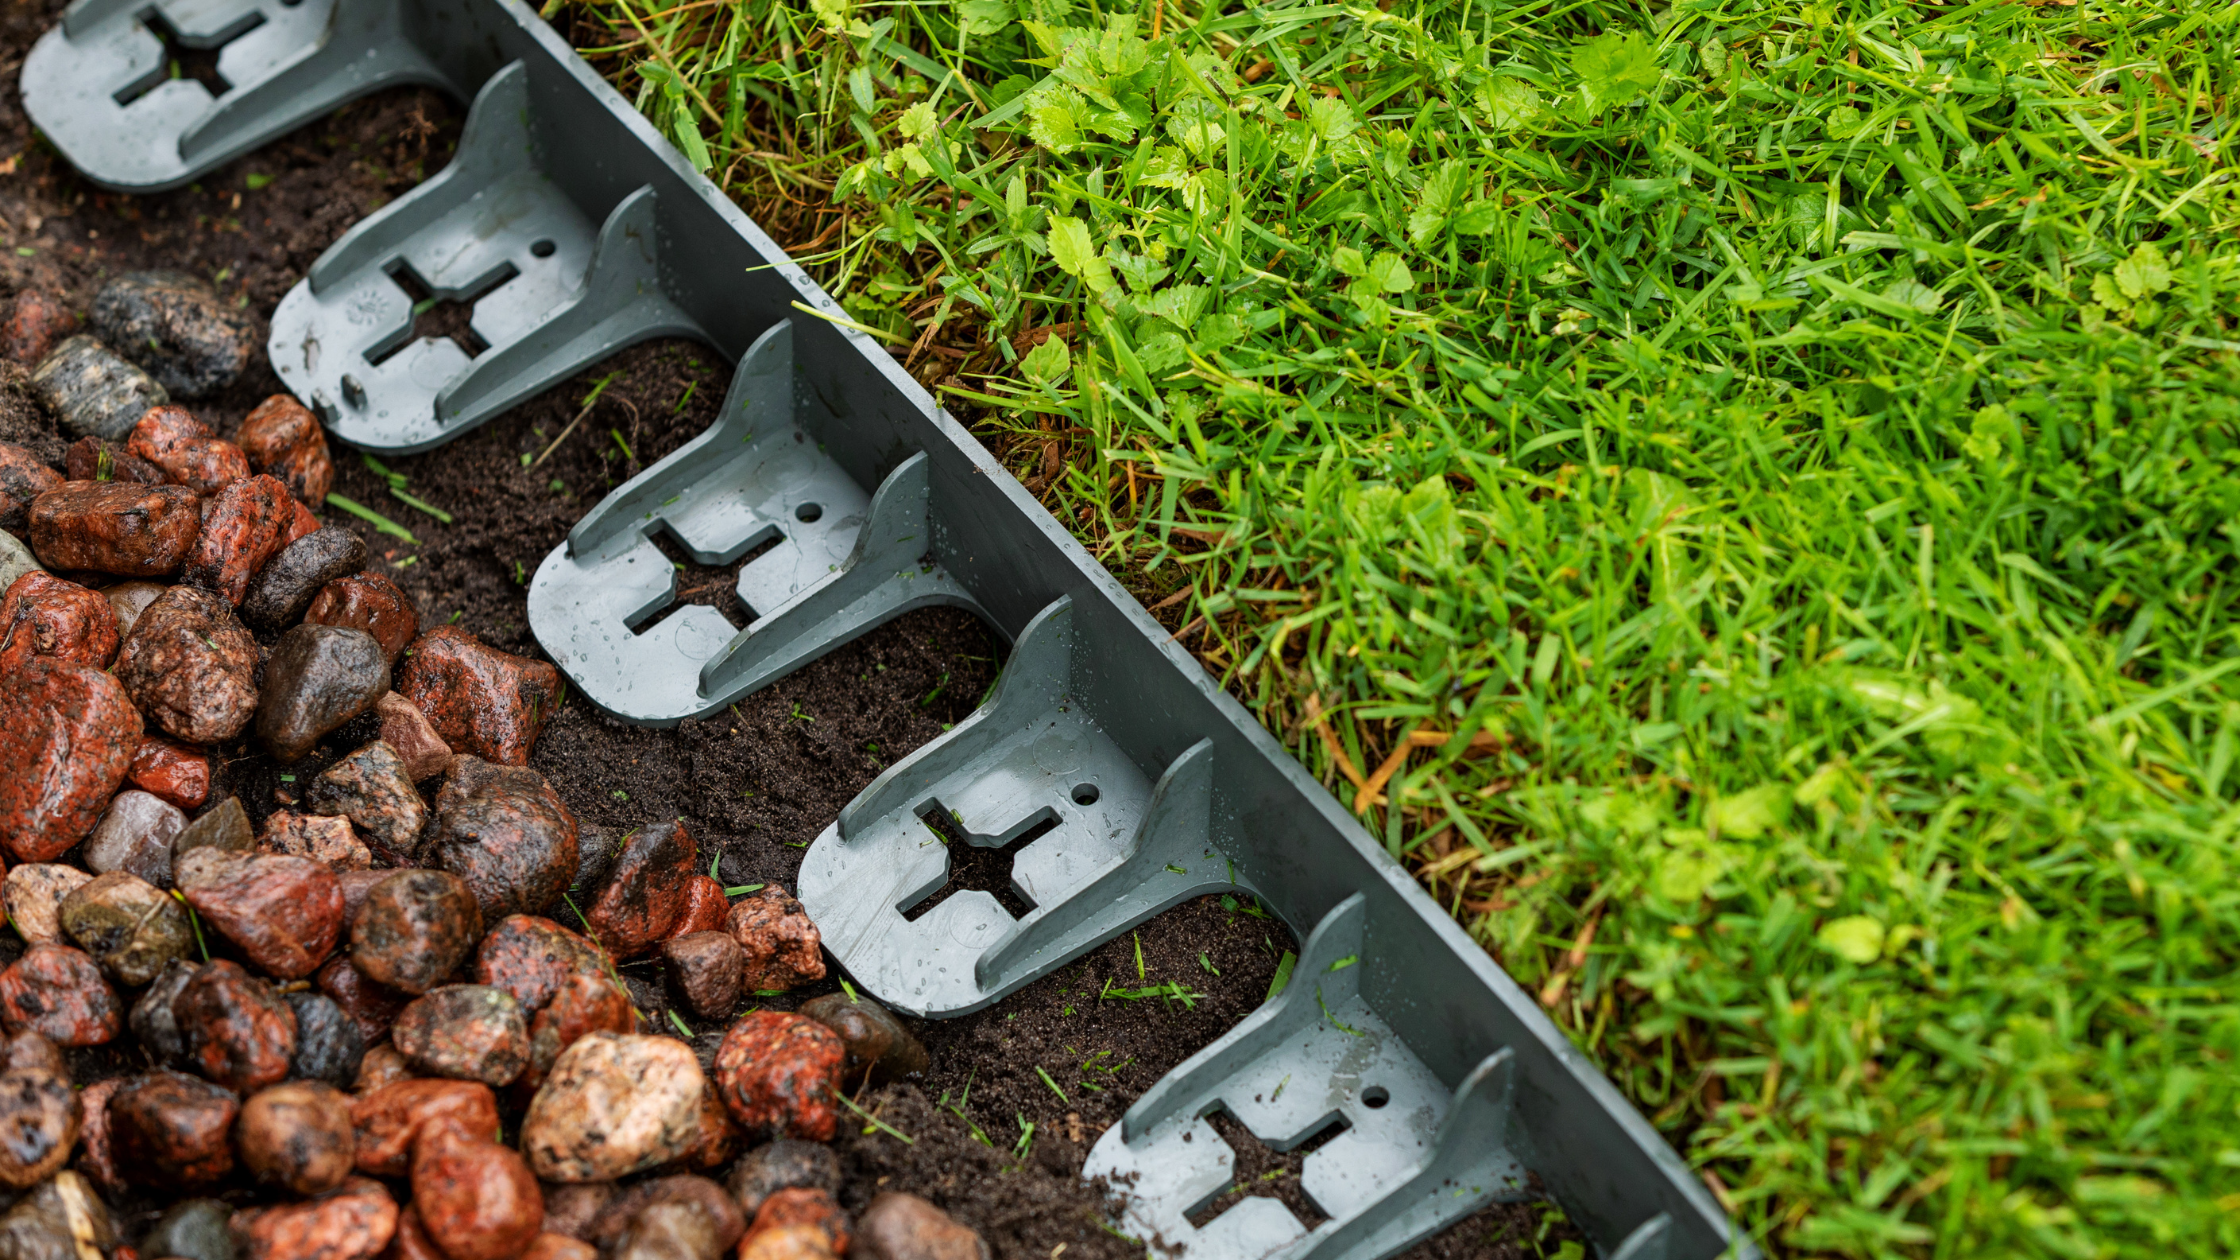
column 998, row 1129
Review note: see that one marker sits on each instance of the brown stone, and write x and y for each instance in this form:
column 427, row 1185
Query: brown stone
column 129, row 599
column 507, row 833
column 468, row 1032
column 172, row 439
column 191, row 666
column 58, row 993
column 355, row 1221
column 481, row 701
column 42, row 615
column 721, row 1138
column 240, row 532
column 570, row 1208
column 67, row 733
column 787, row 1242
column 283, row 439
column 370, row 602
column 901, row 1226
column 551, row 1246
column 61, row 1219
column 406, row 729
column 614, row 1105
column 780, row 1165
column 224, row 827
column 414, row 930
column 476, row 1199
column 236, row 1031
column 875, row 1039
column 297, row 1136
column 23, row 477
column 372, row 1007
column 168, row 1128
column 711, row 1202
column 390, row 1118
column 383, row 1066
column 779, row 1072
column 646, row 894
column 98, row 459
column 317, row 678
column 284, row 912
column 705, row 968
column 811, row 1206
column 783, row 946
column 327, row 841
column 29, row 1050
column 585, row 1003
column 40, row 1116
column 172, row 770
column 372, row 787
column 115, row 527
column 37, row 321
column 128, row 925
column 32, row 895
column 97, row 1158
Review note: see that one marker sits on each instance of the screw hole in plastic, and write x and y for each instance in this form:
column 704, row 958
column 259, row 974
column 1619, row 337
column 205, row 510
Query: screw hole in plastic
column 1085, row 794
column 1375, row 1096
column 808, row 512
column 542, row 249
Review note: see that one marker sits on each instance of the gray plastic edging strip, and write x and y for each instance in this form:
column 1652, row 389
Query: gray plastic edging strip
column 1451, row 1082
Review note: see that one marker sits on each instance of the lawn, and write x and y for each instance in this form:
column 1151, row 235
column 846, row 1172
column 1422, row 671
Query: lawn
column 1739, row 497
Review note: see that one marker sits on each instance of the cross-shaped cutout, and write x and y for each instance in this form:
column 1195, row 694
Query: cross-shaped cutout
column 1261, row 1170
column 981, row 869
column 184, row 58
column 436, row 317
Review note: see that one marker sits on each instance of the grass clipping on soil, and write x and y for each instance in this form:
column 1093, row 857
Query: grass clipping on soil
column 1739, row 498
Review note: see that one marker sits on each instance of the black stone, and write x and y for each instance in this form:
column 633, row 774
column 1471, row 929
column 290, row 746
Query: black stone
column 328, row 1043
column 176, row 327
column 287, row 583
column 318, row 678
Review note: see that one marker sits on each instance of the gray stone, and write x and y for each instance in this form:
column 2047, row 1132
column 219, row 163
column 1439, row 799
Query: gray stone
column 151, row 1018
column 194, row 1230
column 92, row 392
column 15, row 560
column 329, row 1046
column 176, row 327
column 136, row 835
column 287, row 583
column 785, row 1164
column 224, row 826
column 373, row 789
column 317, row 678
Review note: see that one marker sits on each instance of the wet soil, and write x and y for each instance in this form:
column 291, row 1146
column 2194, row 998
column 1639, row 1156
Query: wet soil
column 999, row 1127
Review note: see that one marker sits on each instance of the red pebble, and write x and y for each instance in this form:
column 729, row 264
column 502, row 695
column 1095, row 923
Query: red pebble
column 480, row 700
column 38, row 321
column 168, row 1128
column 705, row 908
column 96, row 1156
column 477, row 1199
column 67, row 735
column 59, row 993
column 779, row 1072
column 353, row 1221
column 241, row 532
column 533, row 958
column 171, row 770
column 115, row 527
column 412, row 1242
column 804, row 1205
column 284, row 912
column 237, row 1031
column 300, row 522
column 372, row 1007
column 172, row 439
column 23, row 477
column 42, row 615
column 369, row 602
column 390, row 1119
column 283, row 439
column 645, row 897
column 783, row 945
column 92, row 459
column 586, row 1002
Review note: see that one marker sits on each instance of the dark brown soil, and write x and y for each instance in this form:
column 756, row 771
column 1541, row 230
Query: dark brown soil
column 754, row 784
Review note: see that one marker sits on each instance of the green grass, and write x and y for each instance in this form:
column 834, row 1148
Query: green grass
column 1740, row 498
